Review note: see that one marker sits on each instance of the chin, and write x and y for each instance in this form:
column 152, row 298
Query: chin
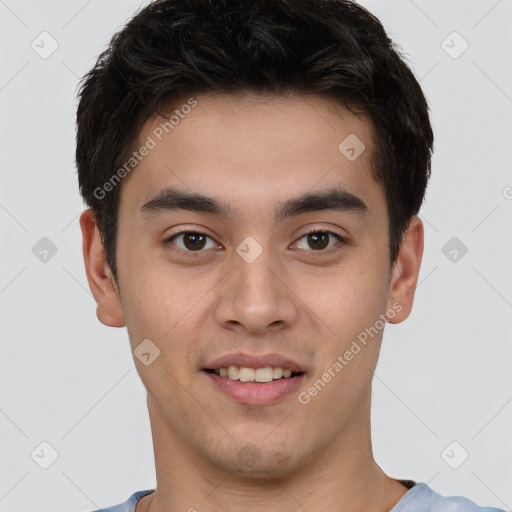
column 258, row 461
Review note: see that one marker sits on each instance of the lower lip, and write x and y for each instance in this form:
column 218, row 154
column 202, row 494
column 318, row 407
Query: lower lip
column 253, row 393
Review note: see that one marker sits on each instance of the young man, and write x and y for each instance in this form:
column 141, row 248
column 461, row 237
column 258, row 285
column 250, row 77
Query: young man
column 253, row 170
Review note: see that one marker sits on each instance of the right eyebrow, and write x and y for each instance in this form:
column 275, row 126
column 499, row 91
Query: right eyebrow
column 172, row 199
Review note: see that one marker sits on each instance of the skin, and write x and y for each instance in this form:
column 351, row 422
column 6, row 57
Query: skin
column 254, row 152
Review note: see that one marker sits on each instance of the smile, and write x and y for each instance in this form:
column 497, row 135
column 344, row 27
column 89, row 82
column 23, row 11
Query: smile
column 261, row 375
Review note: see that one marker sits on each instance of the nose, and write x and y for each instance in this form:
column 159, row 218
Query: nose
column 255, row 297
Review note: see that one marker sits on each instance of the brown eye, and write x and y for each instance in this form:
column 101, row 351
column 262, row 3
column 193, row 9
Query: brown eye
column 191, row 241
column 320, row 240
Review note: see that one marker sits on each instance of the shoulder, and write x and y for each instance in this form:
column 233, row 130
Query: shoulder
column 129, row 504
column 421, row 498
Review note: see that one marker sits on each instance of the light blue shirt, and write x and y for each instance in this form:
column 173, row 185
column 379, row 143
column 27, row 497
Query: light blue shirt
column 421, row 498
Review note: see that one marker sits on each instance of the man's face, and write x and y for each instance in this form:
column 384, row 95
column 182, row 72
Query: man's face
column 253, row 282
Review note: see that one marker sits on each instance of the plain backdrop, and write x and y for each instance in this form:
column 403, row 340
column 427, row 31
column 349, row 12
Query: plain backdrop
column 442, row 399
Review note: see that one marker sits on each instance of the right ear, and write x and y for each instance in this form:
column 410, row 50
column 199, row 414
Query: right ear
column 100, row 277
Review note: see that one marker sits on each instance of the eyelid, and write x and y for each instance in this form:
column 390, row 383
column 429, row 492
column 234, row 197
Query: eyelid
column 320, row 229
column 168, row 242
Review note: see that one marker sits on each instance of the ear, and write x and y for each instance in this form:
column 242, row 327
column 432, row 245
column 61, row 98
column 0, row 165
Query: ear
column 100, row 277
column 404, row 275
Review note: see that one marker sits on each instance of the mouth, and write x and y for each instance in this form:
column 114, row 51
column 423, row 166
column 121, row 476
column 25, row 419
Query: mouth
column 254, row 375
column 255, row 379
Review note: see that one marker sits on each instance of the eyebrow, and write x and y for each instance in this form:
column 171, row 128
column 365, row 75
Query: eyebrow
column 334, row 199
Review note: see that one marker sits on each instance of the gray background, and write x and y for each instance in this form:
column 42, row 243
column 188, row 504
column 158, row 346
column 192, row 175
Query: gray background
column 444, row 375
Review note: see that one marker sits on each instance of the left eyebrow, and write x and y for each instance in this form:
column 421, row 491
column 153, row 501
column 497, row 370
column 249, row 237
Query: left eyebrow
column 335, row 199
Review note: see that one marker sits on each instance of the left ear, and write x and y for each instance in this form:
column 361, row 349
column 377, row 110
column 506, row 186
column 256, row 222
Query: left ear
column 404, row 275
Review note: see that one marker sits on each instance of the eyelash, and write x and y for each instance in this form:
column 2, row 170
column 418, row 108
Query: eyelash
column 195, row 254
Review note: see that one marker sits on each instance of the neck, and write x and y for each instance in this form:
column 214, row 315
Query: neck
column 341, row 477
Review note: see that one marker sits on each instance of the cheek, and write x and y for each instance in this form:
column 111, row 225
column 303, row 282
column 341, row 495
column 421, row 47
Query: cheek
column 347, row 298
column 162, row 305
column 146, row 290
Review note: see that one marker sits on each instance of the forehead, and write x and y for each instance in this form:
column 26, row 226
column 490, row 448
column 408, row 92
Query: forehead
column 254, row 150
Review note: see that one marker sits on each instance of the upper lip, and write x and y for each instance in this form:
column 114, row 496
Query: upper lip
column 254, row 361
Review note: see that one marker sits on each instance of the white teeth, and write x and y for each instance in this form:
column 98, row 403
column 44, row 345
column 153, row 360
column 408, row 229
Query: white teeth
column 233, row 372
column 264, row 374
column 244, row 374
column 278, row 372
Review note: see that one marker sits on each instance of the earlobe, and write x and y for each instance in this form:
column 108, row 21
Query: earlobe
column 99, row 275
column 404, row 275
